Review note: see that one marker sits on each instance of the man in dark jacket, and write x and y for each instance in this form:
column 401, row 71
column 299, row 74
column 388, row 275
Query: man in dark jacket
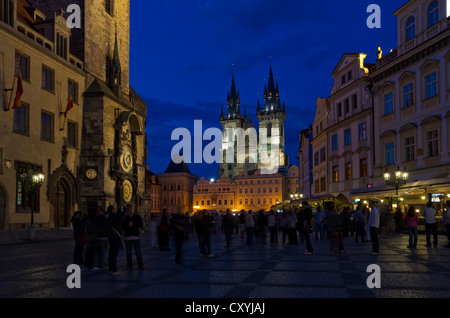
column 206, row 231
column 131, row 225
column 305, row 223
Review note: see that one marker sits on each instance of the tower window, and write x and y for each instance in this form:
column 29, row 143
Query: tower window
column 109, row 7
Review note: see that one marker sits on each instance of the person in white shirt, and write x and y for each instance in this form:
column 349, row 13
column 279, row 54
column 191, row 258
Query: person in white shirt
column 374, row 225
column 429, row 216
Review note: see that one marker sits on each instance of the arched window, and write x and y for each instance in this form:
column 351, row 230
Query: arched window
column 410, row 28
column 433, row 13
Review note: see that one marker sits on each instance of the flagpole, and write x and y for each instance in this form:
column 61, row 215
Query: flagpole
column 60, row 108
column 14, row 81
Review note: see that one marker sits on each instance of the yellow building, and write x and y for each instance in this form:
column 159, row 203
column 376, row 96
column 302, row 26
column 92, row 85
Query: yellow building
column 37, row 137
column 218, row 195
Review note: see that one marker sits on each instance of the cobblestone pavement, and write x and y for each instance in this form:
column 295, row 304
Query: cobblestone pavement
column 38, row 270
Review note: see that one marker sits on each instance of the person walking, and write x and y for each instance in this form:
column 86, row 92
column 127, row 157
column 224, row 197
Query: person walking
column 153, row 228
column 249, row 227
column 179, row 223
column 429, row 215
column 319, row 216
column 446, row 222
column 374, row 225
column 131, row 225
column 359, row 223
column 199, row 230
column 412, row 221
column 305, row 224
column 291, row 225
column 114, row 221
column 218, row 224
column 242, row 224
column 79, row 235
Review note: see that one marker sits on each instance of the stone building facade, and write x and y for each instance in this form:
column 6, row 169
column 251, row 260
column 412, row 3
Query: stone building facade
column 97, row 152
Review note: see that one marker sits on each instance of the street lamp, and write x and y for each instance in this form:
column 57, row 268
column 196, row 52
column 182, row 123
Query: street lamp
column 396, row 180
column 32, row 180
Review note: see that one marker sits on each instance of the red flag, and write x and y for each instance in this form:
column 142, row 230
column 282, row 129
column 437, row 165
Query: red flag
column 19, row 93
column 69, row 105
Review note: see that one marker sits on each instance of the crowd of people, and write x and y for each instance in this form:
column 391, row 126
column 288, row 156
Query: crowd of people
column 98, row 231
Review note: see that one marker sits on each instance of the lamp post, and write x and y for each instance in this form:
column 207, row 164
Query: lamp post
column 32, row 180
column 396, row 180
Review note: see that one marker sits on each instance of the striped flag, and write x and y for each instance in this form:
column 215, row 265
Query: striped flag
column 19, row 93
column 69, row 105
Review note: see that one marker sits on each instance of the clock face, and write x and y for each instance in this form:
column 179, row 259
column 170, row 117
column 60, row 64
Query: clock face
column 127, row 191
column 126, row 159
column 91, row 174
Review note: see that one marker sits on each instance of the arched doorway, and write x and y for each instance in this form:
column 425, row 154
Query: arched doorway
column 62, row 206
column 2, row 209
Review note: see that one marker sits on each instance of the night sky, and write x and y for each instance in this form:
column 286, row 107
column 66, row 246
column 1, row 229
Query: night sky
column 183, row 52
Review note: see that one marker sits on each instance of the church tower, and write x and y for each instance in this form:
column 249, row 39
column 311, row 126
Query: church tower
column 272, row 118
column 232, row 123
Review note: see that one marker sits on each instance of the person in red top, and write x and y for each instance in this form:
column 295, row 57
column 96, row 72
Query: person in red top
column 412, row 220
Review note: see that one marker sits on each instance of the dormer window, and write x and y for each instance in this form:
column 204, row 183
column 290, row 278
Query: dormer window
column 410, row 28
column 433, row 14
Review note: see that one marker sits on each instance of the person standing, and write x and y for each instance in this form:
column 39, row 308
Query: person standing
column 359, row 223
column 262, row 224
column 333, row 228
column 206, row 224
column 79, row 235
column 163, row 231
column 412, row 221
column 131, row 225
column 218, row 224
column 305, row 223
column 429, row 215
column 154, row 221
column 180, row 224
column 318, row 223
column 374, row 225
column 446, row 222
column 114, row 221
column 228, row 227
column 249, row 227
column 272, row 223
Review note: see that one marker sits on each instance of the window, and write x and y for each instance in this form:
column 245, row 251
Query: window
column 346, row 106
column 25, row 195
column 389, row 153
column 347, row 137
column 316, row 186
column 388, row 104
column 61, row 45
column 430, row 85
column 343, row 79
column 410, row 28
column 316, row 158
column 7, row 12
column 24, row 66
column 322, row 154
column 349, row 75
column 339, row 110
column 47, row 126
column 348, row 170
column 220, row 202
column 208, row 202
column 355, row 101
column 109, row 6
column 432, row 143
column 21, row 119
column 334, row 142
column 409, row 149
column 335, row 174
column 323, row 184
column 433, row 13
column 363, row 167
column 407, row 95
column 363, row 131
column 72, row 134
column 246, row 201
column 72, row 89
column 47, row 79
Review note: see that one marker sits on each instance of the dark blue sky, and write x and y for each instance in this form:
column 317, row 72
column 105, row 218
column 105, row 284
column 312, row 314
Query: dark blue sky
column 182, row 54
